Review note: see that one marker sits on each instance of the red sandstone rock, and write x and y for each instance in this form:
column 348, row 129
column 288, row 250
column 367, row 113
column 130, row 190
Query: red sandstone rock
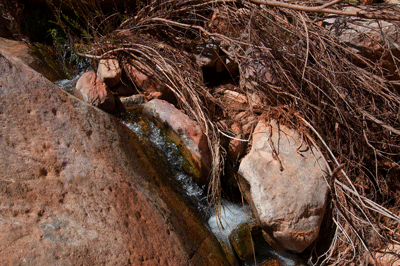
column 91, row 89
column 148, row 84
column 77, row 188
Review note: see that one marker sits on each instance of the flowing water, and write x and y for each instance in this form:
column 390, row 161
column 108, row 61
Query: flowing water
column 150, row 132
column 68, row 84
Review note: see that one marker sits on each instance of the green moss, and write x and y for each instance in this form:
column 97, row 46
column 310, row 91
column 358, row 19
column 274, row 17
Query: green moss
column 241, row 241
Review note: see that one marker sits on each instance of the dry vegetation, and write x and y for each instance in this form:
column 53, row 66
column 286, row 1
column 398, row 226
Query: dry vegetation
column 344, row 103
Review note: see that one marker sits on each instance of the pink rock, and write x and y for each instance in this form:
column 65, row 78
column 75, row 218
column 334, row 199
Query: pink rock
column 91, row 89
column 184, row 131
column 109, row 72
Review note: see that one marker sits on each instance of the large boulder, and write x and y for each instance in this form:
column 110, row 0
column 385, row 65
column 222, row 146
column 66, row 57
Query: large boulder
column 78, row 187
column 191, row 141
column 285, row 185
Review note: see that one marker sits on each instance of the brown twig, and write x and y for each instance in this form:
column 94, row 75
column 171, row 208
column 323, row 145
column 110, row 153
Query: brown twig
column 322, row 9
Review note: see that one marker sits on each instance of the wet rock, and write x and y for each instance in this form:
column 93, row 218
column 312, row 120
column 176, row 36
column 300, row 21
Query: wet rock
column 78, row 188
column 191, row 141
column 285, row 186
column 91, row 89
column 109, row 71
column 133, row 100
column 241, row 241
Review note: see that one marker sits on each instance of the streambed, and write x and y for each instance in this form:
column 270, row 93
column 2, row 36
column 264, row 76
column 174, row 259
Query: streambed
column 231, row 215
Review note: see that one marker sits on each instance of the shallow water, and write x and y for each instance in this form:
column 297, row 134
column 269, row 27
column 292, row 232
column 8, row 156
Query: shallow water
column 68, row 84
column 195, row 193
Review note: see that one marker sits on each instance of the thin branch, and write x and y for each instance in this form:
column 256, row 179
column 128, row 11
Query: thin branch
column 379, row 122
column 361, row 14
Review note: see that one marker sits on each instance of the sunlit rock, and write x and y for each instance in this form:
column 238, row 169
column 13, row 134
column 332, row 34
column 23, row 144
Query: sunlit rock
column 109, row 71
column 191, row 141
column 91, row 89
column 377, row 40
column 79, row 188
column 285, row 185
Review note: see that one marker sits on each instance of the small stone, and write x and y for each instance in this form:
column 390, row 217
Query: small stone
column 154, row 95
column 109, row 72
column 241, row 241
column 91, row 89
column 133, row 100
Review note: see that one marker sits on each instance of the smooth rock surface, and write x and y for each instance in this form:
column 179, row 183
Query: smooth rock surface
column 191, row 141
column 286, row 189
column 78, row 188
column 109, row 71
column 91, row 89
